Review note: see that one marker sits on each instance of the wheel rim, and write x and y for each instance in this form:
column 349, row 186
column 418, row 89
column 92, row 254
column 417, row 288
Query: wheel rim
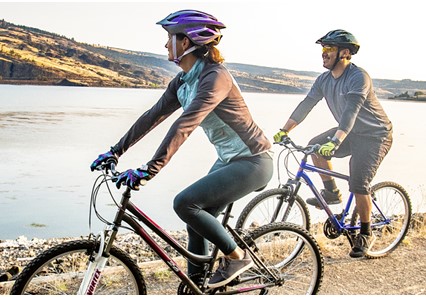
column 262, row 213
column 396, row 208
column 64, row 273
column 291, row 257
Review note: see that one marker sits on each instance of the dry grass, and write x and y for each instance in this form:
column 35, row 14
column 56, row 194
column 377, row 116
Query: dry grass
column 340, row 247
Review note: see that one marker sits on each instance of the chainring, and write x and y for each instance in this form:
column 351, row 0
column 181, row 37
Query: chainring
column 183, row 288
column 330, row 230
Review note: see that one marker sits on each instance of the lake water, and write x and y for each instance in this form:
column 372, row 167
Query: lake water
column 50, row 135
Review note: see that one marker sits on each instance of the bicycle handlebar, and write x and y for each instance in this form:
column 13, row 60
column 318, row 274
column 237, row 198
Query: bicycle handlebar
column 307, row 150
column 114, row 173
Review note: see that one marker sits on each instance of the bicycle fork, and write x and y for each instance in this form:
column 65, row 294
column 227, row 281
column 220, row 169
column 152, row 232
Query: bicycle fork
column 98, row 260
column 92, row 275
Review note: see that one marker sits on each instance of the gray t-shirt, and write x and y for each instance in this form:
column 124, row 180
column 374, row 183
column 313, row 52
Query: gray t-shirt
column 351, row 100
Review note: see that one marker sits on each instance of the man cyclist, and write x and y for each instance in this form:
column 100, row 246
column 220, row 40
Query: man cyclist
column 210, row 98
column 364, row 131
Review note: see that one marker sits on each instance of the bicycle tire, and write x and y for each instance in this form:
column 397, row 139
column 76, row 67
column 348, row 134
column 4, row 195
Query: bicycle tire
column 394, row 202
column 259, row 211
column 60, row 269
column 292, row 253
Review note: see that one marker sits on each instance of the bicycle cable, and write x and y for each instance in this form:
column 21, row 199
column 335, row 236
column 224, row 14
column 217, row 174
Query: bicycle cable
column 100, row 180
column 285, row 162
column 117, row 204
column 93, row 197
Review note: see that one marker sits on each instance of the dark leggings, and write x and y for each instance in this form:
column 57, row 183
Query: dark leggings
column 200, row 204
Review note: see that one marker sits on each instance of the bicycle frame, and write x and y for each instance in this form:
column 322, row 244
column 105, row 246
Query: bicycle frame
column 339, row 224
column 89, row 285
column 138, row 229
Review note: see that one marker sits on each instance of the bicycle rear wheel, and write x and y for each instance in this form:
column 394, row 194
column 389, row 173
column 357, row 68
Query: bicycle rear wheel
column 291, row 253
column 274, row 206
column 60, row 270
column 390, row 218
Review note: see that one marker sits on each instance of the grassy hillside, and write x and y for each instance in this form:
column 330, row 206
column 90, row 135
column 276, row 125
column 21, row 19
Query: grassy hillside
column 33, row 56
column 29, row 55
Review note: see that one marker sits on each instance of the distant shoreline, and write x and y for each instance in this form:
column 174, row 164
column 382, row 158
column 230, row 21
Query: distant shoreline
column 56, row 84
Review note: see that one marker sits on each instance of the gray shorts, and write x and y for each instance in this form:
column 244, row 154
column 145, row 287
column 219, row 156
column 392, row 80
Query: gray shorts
column 367, row 153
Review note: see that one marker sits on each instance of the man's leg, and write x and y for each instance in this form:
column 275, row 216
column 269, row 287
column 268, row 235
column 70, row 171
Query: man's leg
column 364, row 207
column 365, row 239
column 325, row 164
column 367, row 155
column 330, row 193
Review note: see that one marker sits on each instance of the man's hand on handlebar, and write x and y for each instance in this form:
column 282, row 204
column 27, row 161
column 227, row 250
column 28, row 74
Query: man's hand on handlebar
column 328, row 149
column 280, row 136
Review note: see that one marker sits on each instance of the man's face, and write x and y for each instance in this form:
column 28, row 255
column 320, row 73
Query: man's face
column 329, row 55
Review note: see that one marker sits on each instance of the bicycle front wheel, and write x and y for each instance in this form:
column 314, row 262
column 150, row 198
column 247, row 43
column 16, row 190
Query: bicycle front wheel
column 390, row 218
column 291, row 254
column 60, row 270
column 274, row 205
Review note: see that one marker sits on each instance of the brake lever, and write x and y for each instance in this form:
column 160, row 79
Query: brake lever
column 313, row 149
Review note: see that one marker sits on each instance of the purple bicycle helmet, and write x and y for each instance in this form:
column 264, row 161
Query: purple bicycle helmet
column 200, row 27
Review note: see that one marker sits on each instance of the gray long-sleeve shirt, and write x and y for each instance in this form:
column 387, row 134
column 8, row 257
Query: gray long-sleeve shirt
column 351, row 100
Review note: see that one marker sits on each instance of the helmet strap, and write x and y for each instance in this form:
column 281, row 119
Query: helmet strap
column 337, row 58
column 177, row 59
column 174, row 49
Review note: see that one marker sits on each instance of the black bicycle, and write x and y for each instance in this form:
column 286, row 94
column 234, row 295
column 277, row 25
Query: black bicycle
column 287, row 258
column 391, row 213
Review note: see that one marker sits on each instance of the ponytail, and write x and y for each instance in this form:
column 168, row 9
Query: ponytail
column 209, row 53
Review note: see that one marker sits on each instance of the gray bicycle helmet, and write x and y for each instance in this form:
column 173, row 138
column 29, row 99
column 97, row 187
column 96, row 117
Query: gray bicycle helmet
column 340, row 38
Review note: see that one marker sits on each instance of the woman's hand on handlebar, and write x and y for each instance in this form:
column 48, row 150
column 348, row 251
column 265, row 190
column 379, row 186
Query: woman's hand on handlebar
column 133, row 178
column 104, row 161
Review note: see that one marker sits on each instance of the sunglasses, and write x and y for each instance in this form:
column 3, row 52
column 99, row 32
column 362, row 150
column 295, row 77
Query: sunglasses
column 329, row 49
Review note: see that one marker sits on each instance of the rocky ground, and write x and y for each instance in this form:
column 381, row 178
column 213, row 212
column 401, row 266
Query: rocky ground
column 402, row 272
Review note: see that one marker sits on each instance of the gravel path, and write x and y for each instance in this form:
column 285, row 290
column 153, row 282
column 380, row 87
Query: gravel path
column 402, row 272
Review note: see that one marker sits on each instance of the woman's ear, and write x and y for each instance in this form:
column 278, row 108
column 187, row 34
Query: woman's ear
column 186, row 43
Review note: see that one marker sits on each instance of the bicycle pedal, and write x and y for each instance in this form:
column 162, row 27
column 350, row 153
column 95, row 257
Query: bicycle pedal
column 10, row 274
column 264, row 291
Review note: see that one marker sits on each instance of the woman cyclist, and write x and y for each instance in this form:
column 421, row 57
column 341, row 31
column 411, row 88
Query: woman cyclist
column 210, row 98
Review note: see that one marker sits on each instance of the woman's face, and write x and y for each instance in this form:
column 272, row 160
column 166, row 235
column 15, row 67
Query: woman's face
column 169, row 46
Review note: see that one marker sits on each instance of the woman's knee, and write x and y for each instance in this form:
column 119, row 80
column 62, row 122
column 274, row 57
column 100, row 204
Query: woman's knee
column 179, row 204
column 184, row 206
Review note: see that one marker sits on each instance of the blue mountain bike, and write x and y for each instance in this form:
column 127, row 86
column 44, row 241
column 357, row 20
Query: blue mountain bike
column 391, row 212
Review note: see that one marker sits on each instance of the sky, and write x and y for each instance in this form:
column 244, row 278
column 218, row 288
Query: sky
column 273, row 33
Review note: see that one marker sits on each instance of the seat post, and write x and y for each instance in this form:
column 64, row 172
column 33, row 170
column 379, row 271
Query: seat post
column 227, row 214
